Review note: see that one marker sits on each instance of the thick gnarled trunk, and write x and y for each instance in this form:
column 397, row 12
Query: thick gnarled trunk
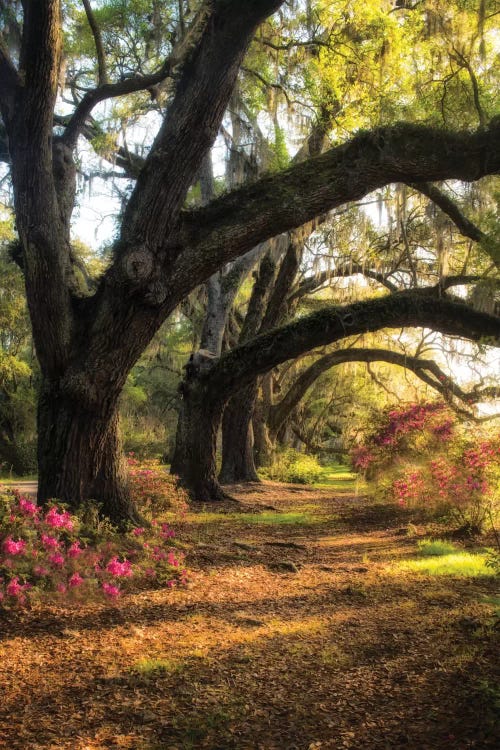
column 194, row 460
column 80, row 458
column 237, row 438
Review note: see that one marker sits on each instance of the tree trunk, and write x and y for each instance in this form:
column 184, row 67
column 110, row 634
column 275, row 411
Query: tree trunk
column 263, row 446
column 80, row 456
column 194, row 458
column 237, row 438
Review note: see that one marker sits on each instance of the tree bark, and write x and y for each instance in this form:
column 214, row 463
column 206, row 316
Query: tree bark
column 237, row 438
column 194, row 458
column 80, row 456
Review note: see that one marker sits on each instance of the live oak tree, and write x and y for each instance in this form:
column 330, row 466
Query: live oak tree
column 275, row 294
column 87, row 340
column 209, row 385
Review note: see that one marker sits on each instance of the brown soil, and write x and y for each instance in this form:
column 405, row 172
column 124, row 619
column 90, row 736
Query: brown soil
column 291, row 636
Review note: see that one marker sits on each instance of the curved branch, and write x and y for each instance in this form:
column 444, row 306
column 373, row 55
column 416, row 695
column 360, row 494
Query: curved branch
column 450, row 208
column 99, row 48
column 234, row 223
column 312, row 283
column 423, row 308
column 426, row 369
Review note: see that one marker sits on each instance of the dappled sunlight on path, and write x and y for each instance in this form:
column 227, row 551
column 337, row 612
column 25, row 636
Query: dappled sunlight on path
column 291, row 635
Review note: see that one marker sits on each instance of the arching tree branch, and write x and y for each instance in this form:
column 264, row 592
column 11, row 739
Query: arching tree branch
column 236, row 222
column 426, row 369
column 424, row 308
column 451, row 209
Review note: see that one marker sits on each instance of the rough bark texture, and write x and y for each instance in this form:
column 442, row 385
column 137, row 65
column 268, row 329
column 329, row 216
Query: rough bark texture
column 237, row 438
column 92, row 437
column 195, row 444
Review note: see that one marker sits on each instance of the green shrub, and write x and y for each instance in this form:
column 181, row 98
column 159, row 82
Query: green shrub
column 294, row 467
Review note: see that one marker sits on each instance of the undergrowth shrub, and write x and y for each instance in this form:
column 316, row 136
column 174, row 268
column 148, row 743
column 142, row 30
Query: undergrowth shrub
column 153, row 488
column 50, row 554
column 421, row 457
column 294, row 467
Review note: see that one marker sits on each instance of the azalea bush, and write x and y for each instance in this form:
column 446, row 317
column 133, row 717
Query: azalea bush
column 153, row 488
column 421, row 456
column 49, row 553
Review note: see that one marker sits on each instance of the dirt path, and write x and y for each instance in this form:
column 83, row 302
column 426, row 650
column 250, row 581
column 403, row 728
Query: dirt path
column 24, row 487
column 295, row 635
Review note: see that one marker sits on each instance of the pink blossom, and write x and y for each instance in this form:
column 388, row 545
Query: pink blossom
column 75, row 550
column 50, row 542
column 172, row 560
column 150, row 573
column 39, row 570
column 139, row 531
column 61, row 588
column 10, row 547
column 167, row 532
column 75, row 580
column 59, row 520
column 112, row 591
column 119, row 569
column 14, row 588
column 56, row 559
column 27, row 507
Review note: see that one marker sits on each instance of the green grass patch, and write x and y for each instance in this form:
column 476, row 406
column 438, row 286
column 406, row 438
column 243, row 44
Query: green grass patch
column 267, row 518
column 339, row 478
column 464, row 564
column 435, row 548
column 156, row 666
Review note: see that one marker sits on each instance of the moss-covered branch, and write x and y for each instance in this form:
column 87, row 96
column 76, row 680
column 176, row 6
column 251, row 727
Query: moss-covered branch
column 423, row 309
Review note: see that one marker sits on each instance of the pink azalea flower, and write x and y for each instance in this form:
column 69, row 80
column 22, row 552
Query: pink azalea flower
column 119, row 569
column 75, row 550
column 166, row 531
column 27, row 507
column 172, row 560
column 75, row 580
column 50, row 542
column 59, row 520
column 61, row 588
column 138, row 532
column 112, row 591
column 39, row 570
column 56, row 559
column 10, row 547
column 14, row 588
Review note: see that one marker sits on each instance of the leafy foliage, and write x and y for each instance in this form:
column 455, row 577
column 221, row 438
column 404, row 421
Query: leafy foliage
column 291, row 466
